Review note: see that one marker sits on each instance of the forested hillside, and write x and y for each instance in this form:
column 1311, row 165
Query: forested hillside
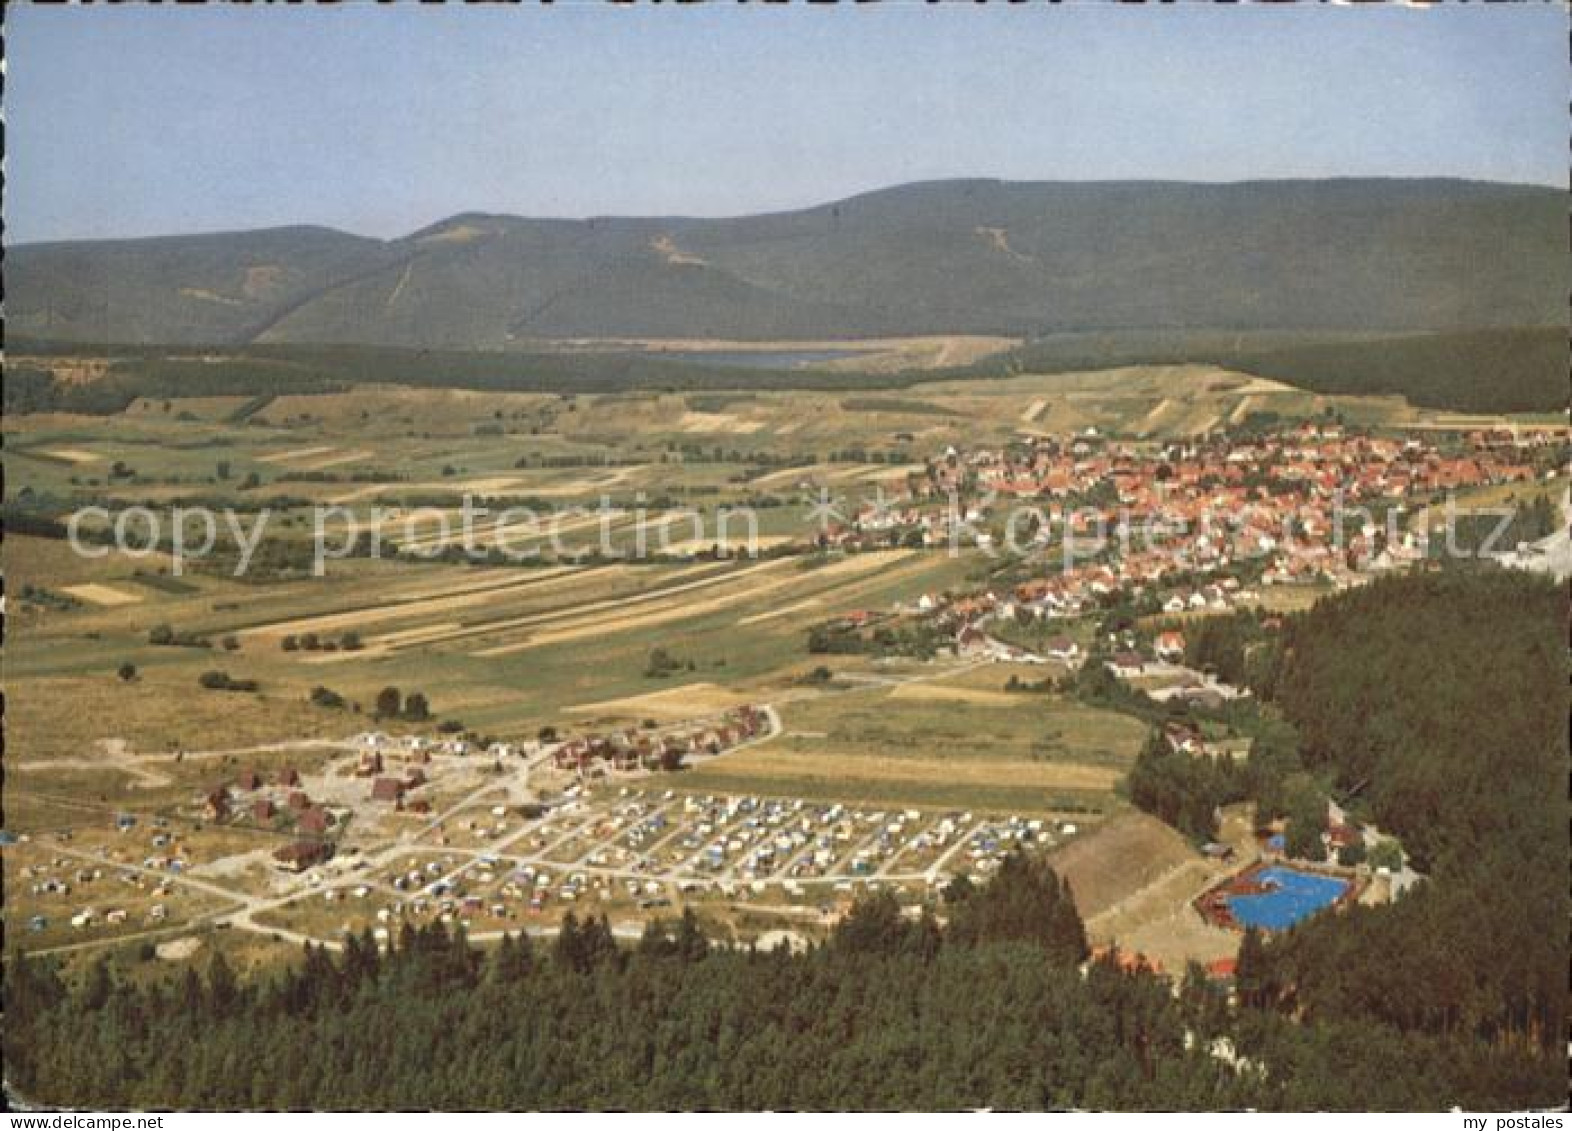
column 1522, row 369
column 1434, row 705
column 970, row 256
column 1505, row 369
column 1440, row 701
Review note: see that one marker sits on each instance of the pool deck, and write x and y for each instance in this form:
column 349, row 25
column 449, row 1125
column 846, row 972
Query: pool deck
column 1213, row 904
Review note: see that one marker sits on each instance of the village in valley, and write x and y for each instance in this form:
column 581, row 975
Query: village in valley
column 1089, row 554
column 869, row 557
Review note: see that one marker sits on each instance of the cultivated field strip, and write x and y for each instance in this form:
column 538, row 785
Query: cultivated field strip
column 581, row 627
column 845, row 597
column 295, row 454
column 532, row 530
column 674, row 703
column 418, row 603
column 590, row 614
column 702, row 574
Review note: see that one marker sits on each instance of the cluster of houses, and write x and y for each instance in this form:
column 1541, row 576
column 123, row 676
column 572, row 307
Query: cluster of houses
column 1186, row 528
column 634, row 749
column 392, row 788
column 280, row 801
column 1299, row 505
column 268, row 803
column 1312, row 460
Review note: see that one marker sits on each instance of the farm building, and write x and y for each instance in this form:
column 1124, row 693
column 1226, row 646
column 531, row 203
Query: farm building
column 216, row 804
column 1128, row 663
column 1170, row 646
column 302, row 854
column 1062, row 649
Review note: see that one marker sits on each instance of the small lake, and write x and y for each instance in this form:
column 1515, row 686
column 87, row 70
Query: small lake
column 1291, row 896
column 756, row 359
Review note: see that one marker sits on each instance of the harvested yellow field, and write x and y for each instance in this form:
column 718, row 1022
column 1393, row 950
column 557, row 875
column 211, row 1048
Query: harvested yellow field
column 939, row 693
column 835, row 473
column 772, row 763
column 335, row 460
column 657, row 608
column 394, row 526
column 785, row 611
column 585, row 620
column 855, row 473
column 739, row 542
column 482, row 484
column 1265, row 385
column 851, row 567
column 1161, row 416
column 538, row 583
column 418, row 603
column 98, row 594
column 689, row 701
column 74, row 455
column 464, row 582
column 844, row 598
column 615, row 477
column 789, row 476
column 294, row 454
column 725, row 422
column 531, row 484
column 415, row 635
column 885, row 473
column 364, row 491
column 513, row 535
column 382, row 645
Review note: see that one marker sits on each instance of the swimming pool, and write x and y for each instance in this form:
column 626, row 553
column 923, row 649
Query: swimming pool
column 1292, row 896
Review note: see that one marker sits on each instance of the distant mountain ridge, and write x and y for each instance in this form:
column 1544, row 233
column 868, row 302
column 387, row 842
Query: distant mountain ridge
column 1019, row 258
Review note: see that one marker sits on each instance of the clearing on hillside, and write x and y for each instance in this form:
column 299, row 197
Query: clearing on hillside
column 1123, row 856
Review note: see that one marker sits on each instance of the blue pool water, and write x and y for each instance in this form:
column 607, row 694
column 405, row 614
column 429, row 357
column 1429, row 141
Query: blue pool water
column 1293, row 896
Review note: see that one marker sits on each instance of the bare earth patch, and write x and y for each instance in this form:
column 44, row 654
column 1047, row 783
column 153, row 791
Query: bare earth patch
column 97, row 594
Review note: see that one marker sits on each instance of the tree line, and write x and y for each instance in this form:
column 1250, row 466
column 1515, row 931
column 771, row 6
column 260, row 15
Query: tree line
column 998, row 1007
column 1433, row 705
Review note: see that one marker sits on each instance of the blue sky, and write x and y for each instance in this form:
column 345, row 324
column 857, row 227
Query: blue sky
column 133, row 121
